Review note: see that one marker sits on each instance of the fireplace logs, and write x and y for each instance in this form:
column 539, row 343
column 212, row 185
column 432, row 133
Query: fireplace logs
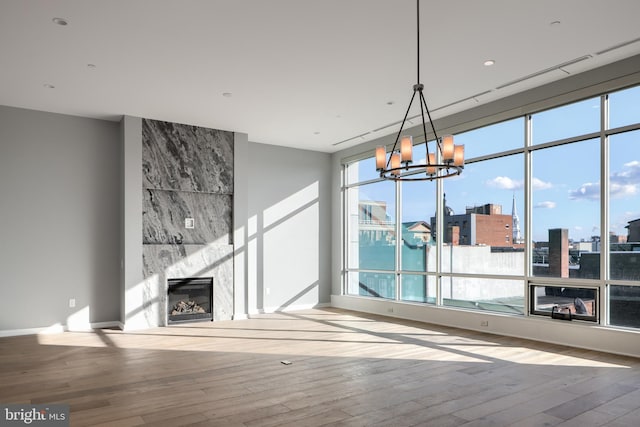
column 187, row 307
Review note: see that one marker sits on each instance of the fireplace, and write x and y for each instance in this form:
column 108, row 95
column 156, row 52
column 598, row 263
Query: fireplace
column 190, row 300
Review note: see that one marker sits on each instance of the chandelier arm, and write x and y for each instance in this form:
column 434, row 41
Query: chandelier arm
column 395, row 144
column 424, row 126
column 435, row 134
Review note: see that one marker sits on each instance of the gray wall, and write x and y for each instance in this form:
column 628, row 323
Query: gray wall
column 131, row 297
column 59, row 219
column 288, row 230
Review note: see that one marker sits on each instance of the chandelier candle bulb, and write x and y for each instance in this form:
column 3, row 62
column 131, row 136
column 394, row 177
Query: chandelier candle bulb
column 395, row 163
column 406, row 149
column 447, row 148
column 458, row 155
column 431, row 170
column 381, row 157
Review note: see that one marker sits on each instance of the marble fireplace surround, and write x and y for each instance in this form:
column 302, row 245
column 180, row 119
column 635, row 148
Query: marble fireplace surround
column 187, row 172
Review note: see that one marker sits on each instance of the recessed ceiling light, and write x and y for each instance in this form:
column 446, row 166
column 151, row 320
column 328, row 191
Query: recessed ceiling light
column 489, row 62
column 316, row 133
column 91, row 66
column 49, row 86
column 227, row 94
column 390, row 102
column 60, row 21
column 554, row 23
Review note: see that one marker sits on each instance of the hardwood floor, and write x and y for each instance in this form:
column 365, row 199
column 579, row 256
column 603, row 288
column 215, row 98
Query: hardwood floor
column 347, row 369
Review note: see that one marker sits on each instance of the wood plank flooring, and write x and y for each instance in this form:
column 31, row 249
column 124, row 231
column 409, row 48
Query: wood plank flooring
column 347, row 369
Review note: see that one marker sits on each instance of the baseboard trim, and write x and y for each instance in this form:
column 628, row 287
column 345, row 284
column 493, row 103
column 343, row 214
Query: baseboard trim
column 58, row 328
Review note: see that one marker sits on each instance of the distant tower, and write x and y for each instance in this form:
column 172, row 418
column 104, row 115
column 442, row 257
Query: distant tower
column 517, row 237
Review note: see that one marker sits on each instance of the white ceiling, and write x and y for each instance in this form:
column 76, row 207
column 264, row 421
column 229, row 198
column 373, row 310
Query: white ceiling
column 312, row 74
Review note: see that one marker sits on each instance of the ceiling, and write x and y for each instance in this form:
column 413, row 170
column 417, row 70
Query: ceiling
column 313, row 74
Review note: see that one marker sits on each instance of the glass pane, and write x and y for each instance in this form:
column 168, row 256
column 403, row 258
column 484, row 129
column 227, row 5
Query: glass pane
column 415, row 253
column 564, row 122
column 624, row 306
column 624, row 206
column 624, row 107
column 363, row 170
column 492, row 139
column 370, row 284
column 505, row 296
column 483, row 229
column 353, row 283
column 418, row 288
column 372, row 226
column 566, row 210
column 418, row 205
column 582, row 303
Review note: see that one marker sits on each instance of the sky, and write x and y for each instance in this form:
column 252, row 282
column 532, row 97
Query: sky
column 566, row 179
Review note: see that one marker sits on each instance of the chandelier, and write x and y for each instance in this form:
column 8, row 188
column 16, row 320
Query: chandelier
column 446, row 160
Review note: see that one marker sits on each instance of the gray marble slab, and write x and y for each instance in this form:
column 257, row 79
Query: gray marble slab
column 164, row 262
column 164, row 213
column 188, row 158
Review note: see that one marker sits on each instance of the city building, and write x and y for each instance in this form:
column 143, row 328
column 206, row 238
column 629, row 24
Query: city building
column 634, row 231
column 481, row 225
column 517, row 233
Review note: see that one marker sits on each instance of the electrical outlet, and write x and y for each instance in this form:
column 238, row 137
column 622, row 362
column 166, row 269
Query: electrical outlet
column 72, row 302
column 390, row 310
column 484, row 323
column 189, row 223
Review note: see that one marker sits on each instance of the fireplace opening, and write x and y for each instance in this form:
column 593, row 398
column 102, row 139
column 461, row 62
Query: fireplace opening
column 190, row 300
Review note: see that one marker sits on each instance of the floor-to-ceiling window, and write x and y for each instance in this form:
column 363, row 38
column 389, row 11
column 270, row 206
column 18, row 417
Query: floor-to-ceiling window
column 624, row 208
column 482, row 260
column 372, row 235
column 546, row 214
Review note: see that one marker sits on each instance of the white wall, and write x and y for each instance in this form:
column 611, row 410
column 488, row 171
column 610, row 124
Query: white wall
column 288, row 229
column 59, row 220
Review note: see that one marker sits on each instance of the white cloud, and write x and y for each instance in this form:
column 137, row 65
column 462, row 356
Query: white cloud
column 545, row 205
column 623, row 190
column 588, row 191
column 622, row 184
column 538, row 184
column 505, row 183
column 625, row 183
